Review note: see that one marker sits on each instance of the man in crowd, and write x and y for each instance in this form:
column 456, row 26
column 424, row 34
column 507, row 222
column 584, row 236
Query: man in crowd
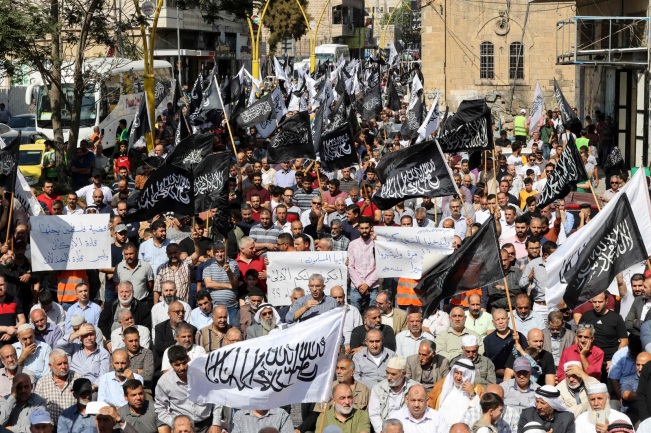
column 573, row 387
column 313, row 304
column 416, row 416
column 371, row 361
column 89, row 359
column 110, row 384
column 372, row 320
column 407, row 341
column 519, row 391
column 427, row 367
column 44, row 331
column 345, row 374
column 75, row 419
column 32, row 354
column 389, row 394
column 449, row 343
column 138, row 411
column 476, row 319
column 484, row 368
column 344, row 414
column 393, row 317
column 56, row 387
column 548, row 411
column 600, row 415
column 17, row 407
column 498, row 345
column 585, row 352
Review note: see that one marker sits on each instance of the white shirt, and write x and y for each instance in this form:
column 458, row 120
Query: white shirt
column 481, row 216
column 56, row 315
column 431, row 422
column 407, row 344
column 117, row 342
column 454, row 406
column 352, row 319
column 87, row 193
column 194, row 352
column 508, row 231
column 426, row 223
column 514, row 160
column 524, row 168
column 583, row 424
column 159, row 315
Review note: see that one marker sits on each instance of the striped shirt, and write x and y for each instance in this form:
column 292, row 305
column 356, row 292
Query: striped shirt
column 265, row 236
column 210, row 339
column 340, row 244
column 304, row 199
column 326, row 304
column 246, row 422
column 216, row 273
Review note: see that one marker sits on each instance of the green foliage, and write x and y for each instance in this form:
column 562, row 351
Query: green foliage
column 401, row 20
column 285, row 20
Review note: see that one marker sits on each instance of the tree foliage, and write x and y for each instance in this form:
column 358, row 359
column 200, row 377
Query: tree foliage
column 213, row 10
column 402, row 20
column 285, row 20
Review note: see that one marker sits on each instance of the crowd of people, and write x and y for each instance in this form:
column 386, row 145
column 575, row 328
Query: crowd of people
column 98, row 349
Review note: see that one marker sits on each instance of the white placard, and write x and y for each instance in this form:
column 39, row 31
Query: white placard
column 69, row 242
column 399, row 251
column 289, row 270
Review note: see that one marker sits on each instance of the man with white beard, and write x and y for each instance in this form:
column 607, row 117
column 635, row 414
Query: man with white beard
column 600, row 415
column 266, row 320
column 574, row 388
column 389, row 395
column 452, row 395
column 343, row 414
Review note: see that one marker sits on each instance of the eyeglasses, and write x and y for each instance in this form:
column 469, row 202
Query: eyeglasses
column 267, row 314
column 316, row 202
column 614, row 183
column 177, row 311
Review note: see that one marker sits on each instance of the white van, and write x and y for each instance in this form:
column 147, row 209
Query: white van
column 331, row 52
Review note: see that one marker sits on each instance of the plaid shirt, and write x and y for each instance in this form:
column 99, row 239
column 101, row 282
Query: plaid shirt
column 58, row 399
column 180, row 276
column 340, row 244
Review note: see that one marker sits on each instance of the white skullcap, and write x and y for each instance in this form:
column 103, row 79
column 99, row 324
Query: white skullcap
column 533, row 427
column 469, row 341
column 24, row 327
column 397, row 363
column 597, row 388
column 568, row 364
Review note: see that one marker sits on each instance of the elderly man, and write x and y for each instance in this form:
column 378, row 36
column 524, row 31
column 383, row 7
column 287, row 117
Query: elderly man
column 556, row 336
column 416, row 416
column 573, row 388
column 393, row 317
column 484, row 368
column 519, row 391
column 498, row 345
column 344, row 414
column 11, row 368
column 544, row 360
column 453, row 394
column 54, row 311
column 89, row 359
column 136, row 271
column 508, row 423
column 140, row 310
column 172, row 397
column 345, row 374
column 32, row 354
column 266, row 320
column 166, row 332
column 44, row 330
column 125, row 320
column 138, row 411
column 449, row 343
column 372, row 320
column 427, row 367
column 110, row 384
column 212, row 337
column 184, row 338
column 476, row 319
column 75, row 419
column 408, row 341
column 371, row 361
column 590, row 356
column 600, row 415
column 548, row 411
column 313, row 304
column 56, row 388
column 389, row 394
column 20, row 404
column 352, row 318
column 526, row 319
column 247, row 312
column 159, row 312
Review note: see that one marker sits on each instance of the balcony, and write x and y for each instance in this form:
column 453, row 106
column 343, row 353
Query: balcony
column 594, row 40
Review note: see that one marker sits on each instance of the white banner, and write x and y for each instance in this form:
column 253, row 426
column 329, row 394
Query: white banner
column 295, row 365
column 289, row 270
column 399, row 251
column 566, row 255
column 69, row 242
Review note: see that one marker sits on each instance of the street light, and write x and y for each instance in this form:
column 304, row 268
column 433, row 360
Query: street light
column 255, row 40
column 383, row 32
column 313, row 29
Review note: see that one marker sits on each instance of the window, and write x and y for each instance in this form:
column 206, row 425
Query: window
column 516, row 61
column 487, row 61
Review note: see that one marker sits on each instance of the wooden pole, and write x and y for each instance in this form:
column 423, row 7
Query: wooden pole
column 318, row 177
column 594, row 194
column 11, row 212
column 436, row 223
column 323, row 415
column 228, row 125
column 508, row 299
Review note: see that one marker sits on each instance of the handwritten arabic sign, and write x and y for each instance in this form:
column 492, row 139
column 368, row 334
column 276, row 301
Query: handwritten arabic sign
column 294, row 365
column 287, row 271
column 70, row 242
column 399, row 251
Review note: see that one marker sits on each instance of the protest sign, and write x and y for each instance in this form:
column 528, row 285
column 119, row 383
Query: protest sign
column 287, row 271
column 293, row 365
column 69, row 242
column 399, row 251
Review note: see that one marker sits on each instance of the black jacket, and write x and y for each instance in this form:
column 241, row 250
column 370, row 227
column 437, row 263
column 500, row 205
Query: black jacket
column 140, row 310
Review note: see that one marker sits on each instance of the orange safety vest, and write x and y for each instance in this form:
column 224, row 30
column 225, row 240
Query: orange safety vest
column 66, row 283
column 461, row 300
column 406, row 294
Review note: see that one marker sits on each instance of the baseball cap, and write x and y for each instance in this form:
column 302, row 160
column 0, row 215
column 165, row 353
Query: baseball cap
column 522, row 364
column 121, row 228
column 40, row 416
column 82, row 385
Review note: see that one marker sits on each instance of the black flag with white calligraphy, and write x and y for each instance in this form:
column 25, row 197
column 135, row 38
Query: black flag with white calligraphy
column 371, row 104
column 168, row 189
column 616, row 246
column 416, row 171
column 470, row 128
column 140, row 126
column 409, row 128
column 182, row 129
column 567, row 173
column 474, row 264
column 293, row 140
column 196, row 96
column 9, row 164
column 568, row 116
column 393, row 99
column 191, row 151
column 317, row 128
column 614, row 161
column 211, row 182
column 258, row 112
column 337, row 149
column 161, row 91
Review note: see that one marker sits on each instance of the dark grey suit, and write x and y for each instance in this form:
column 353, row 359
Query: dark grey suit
column 634, row 317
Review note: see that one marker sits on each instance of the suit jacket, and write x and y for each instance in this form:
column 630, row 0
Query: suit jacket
column 634, row 317
column 566, row 340
column 439, row 371
column 399, row 321
column 164, row 339
column 141, row 315
column 245, row 318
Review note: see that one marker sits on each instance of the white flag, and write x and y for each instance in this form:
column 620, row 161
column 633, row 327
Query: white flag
column 24, row 195
column 393, row 54
column 566, row 255
column 431, row 122
column 265, row 129
column 280, row 71
column 416, row 85
column 536, row 109
column 295, row 365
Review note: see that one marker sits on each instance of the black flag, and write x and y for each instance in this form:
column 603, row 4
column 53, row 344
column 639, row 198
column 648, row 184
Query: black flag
column 168, row 189
column 191, row 151
column 570, row 121
column 616, row 246
column 476, row 263
column 258, row 112
column 317, row 128
column 140, row 126
column 211, row 182
column 568, row 172
column 393, row 99
column 409, row 129
column 470, row 128
column 415, row 171
column 9, row 164
column 371, row 104
column 337, row 149
column 196, row 96
column 161, row 90
column 182, row 129
column 293, row 140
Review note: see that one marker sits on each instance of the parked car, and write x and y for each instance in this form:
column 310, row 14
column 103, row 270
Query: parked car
column 30, row 161
column 23, row 122
column 4, row 128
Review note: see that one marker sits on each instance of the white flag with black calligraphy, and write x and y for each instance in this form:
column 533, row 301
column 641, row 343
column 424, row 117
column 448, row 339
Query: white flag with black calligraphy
column 537, row 108
column 431, row 122
column 416, row 86
column 293, row 365
column 567, row 255
column 25, row 198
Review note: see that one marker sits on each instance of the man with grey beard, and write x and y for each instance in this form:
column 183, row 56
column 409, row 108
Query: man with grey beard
column 343, row 414
column 389, row 395
column 267, row 320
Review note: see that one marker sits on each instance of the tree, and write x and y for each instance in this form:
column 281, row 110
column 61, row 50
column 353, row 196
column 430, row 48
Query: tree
column 402, row 20
column 52, row 38
column 285, row 20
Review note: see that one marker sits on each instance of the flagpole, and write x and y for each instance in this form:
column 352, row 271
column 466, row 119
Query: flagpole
column 11, row 211
column 594, row 194
column 318, row 178
column 508, row 299
column 436, row 223
column 228, row 125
